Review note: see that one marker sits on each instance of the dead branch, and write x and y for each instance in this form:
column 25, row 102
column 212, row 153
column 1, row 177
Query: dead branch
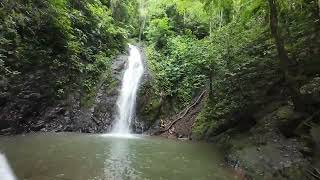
column 316, row 170
column 95, row 120
column 313, row 174
column 186, row 110
column 306, row 122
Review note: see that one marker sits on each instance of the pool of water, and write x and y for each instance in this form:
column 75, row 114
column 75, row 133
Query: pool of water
column 70, row 156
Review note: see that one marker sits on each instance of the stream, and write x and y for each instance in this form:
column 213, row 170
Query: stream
column 70, row 156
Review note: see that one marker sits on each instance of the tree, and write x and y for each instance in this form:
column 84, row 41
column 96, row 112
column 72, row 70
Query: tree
column 285, row 61
column 220, row 9
column 319, row 7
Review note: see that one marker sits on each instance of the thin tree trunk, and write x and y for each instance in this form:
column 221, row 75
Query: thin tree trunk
column 319, row 7
column 143, row 17
column 221, row 18
column 112, row 6
column 142, row 28
column 210, row 28
column 210, row 86
column 285, row 61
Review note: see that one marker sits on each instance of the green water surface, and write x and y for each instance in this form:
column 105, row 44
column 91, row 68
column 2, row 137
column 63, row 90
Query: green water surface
column 69, row 156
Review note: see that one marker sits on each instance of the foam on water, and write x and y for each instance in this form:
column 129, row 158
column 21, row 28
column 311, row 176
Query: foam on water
column 123, row 136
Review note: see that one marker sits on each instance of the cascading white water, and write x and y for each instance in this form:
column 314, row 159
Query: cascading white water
column 127, row 99
column 5, row 170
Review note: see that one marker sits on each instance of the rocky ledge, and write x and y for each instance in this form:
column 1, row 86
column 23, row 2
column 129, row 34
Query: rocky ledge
column 31, row 110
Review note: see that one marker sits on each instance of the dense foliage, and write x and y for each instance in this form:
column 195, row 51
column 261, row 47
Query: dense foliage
column 242, row 73
column 66, row 44
column 228, row 48
column 238, row 50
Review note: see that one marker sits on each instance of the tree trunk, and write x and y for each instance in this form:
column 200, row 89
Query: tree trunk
column 113, row 5
column 142, row 28
column 210, row 28
column 210, row 85
column 221, row 18
column 285, row 61
column 319, row 7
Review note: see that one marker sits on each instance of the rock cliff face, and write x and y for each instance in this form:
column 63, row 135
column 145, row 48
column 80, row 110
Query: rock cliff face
column 31, row 110
column 142, row 120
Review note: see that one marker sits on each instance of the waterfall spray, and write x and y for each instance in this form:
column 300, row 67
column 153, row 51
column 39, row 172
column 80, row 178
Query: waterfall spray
column 5, row 170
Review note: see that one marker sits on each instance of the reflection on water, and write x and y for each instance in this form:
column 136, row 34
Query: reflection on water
column 70, row 156
column 118, row 165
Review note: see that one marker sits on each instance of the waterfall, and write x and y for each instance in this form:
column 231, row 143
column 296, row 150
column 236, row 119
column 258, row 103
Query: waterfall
column 127, row 99
column 5, row 170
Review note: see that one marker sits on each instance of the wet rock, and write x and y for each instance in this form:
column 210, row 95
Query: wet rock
column 30, row 109
column 307, row 151
column 264, row 152
column 4, row 97
column 310, row 96
column 32, row 96
column 6, row 131
column 148, row 104
column 312, row 88
column 43, row 130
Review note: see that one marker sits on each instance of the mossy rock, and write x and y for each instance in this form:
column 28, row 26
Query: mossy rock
column 285, row 112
